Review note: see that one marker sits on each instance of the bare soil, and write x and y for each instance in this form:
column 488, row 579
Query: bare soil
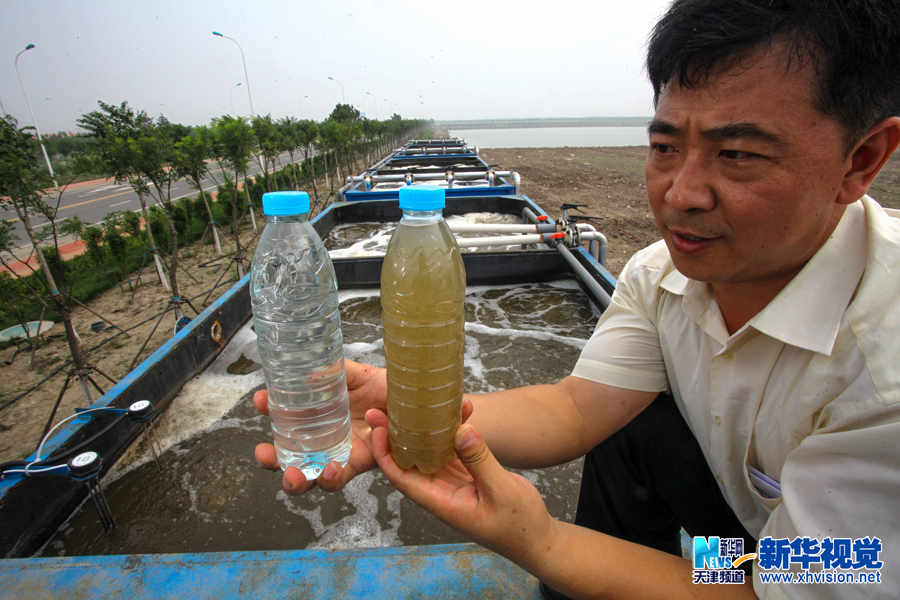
column 138, row 298
column 609, row 182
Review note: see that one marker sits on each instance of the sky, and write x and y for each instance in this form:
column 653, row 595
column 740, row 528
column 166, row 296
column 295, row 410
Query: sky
column 419, row 58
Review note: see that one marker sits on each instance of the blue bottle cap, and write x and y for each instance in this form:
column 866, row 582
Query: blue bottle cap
column 421, row 197
column 285, row 203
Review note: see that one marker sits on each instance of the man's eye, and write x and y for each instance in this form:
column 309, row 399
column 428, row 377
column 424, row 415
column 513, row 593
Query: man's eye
column 737, row 154
column 663, row 148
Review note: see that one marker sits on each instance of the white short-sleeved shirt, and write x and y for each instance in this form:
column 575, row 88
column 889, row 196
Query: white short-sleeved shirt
column 807, row 391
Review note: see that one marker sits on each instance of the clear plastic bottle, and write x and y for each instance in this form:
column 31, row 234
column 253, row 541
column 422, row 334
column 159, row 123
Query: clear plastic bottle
column 423, row 286
column 293, row 291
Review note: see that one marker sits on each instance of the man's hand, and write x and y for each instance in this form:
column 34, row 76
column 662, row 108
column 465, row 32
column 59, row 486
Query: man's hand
column 367, row 387
column 474, row 494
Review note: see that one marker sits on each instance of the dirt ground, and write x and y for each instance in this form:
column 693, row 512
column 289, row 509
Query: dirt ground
column 608, row 181
column 135, row 300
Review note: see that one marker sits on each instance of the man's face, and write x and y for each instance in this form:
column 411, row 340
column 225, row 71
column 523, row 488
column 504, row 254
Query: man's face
column 744, row 173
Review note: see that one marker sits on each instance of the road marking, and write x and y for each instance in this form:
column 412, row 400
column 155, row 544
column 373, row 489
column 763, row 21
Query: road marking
column 119, row 203
column 76, row 204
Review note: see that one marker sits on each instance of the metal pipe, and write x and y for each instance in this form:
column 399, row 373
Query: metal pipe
column 464, row 227
column 528, row 215
column 508, row 240
column 595, row 289
column 442, row 175
column 593, row 236
column 593, row 286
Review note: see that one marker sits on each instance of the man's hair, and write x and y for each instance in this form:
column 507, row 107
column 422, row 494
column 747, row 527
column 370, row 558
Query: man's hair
column 853, row 47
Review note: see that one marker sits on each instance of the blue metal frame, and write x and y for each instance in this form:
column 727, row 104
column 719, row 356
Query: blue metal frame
column 444, row 572
column 354, row 194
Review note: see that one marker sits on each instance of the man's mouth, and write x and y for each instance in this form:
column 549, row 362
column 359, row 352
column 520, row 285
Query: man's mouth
column 689, row 242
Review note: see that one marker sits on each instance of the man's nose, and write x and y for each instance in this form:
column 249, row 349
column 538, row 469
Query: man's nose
column 692, row 186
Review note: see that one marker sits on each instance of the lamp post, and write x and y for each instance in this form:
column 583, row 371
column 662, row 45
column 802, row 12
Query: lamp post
column 31, row 112
column 375, row 99
column 342, row 87
column 253, row 113
column 302, row 106
column 231, row 96
column 244, row 62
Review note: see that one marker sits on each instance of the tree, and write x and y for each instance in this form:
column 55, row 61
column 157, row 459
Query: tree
column 21, row 185
column 307, row 134
column 343, row 113
column 153, row 151
column 191, row 153
column 113, row 126
column 290, row 142
column 329, row 142
column 268, row 138
column 234, row 142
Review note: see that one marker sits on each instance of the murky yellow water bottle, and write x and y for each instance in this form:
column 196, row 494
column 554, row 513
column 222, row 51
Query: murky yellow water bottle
column 423, row 286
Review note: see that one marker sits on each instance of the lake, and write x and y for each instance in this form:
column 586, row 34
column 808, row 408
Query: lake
column 553, row 137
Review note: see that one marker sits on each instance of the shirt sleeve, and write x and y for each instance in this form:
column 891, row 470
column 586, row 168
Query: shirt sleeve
column 842, row 481
column 624, row 350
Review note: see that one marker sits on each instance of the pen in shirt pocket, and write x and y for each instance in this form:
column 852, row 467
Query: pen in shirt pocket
column 765, row 485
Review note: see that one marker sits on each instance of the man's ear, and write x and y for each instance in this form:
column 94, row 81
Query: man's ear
column 867, row 158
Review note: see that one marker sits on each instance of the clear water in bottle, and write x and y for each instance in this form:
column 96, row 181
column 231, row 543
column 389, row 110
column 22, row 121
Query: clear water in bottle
column 423, row 286
column 295, row 310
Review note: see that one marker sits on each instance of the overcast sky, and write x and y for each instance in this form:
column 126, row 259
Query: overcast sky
column 444, row 60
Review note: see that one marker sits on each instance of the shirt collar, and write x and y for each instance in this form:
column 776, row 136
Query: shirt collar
column 807, row 313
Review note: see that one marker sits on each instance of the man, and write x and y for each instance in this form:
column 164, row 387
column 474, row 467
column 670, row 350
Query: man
column 767, row 311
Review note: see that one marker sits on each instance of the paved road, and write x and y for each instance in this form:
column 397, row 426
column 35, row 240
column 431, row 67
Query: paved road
column 93, row 202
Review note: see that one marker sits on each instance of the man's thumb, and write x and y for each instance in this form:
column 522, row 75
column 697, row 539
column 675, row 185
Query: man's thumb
column 477, row 457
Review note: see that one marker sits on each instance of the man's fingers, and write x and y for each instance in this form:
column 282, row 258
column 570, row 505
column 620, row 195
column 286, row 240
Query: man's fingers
column 335, row 477
column 294, row 482
column 478, row 459
column 265, row 456
column 261, row 401
column 358, row 374
column 376, row 418
column 381, row 452
column 466, row 410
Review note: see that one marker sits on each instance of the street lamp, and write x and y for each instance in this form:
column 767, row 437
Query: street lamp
column 375, row 98
column 342, row 87
column 31, row 112
column 253, row 113
column 231, row 96
column 244, row 62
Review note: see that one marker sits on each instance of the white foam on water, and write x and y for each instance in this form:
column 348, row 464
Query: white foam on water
column 377, row 241
column 194, row 506
column 374, row 245
column 344, row 295
column 476, row 374
column 358, row 530
column 200, row 404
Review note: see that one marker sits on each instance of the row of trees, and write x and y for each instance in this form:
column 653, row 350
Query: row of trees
column 152, row 155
